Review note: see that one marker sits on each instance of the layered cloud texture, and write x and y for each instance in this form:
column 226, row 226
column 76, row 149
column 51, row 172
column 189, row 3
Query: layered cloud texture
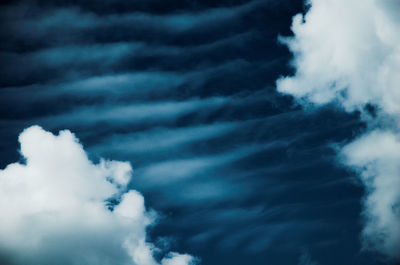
column 60, row 208
column 348, row 52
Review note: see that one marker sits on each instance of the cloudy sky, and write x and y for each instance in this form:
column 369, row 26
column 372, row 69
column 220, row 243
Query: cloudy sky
column 182, row 132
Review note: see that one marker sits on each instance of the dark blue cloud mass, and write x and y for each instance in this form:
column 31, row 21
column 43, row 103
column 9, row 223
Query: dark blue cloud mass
column 185, row 91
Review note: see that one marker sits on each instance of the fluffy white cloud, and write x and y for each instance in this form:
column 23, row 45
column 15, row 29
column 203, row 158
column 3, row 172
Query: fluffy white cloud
column 55, row 210
column 348, row 52
column 376, row 155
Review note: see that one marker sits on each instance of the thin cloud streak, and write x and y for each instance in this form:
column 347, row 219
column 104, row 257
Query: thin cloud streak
column 161, row 139
column 132, row 113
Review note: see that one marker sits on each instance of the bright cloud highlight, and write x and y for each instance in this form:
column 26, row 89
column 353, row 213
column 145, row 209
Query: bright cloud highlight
column 56, row 208
column 376, row 156
column 348, row 52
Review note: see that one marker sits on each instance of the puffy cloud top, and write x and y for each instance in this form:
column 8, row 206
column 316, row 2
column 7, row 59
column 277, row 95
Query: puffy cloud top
column 56, row 210
column 348, row 52
column 376, row 156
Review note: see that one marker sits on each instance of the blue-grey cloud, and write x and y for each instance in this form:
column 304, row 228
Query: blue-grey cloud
column 132, row 113
column 162, row 139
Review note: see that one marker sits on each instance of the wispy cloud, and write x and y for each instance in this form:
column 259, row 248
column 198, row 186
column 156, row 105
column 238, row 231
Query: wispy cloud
column 162, row 139
column 173, row 170
column 132, row 113
column 76, row 21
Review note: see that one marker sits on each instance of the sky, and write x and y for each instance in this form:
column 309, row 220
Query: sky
column 188, row 132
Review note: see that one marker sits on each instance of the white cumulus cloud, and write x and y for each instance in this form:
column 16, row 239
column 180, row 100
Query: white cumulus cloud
column 348, row 52
column 55, row 208
column 376, row 156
